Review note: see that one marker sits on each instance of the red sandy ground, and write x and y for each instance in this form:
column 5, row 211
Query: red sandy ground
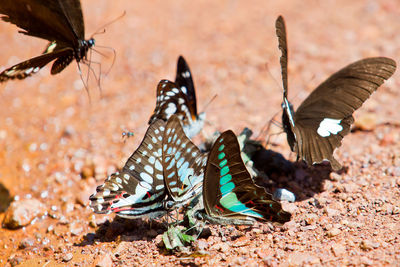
column 49, row 132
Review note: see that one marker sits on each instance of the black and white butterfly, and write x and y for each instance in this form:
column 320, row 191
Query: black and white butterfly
column 165, row 157
column 318, row 126
column 179, row 98
column 58, row 21
column 230, row 195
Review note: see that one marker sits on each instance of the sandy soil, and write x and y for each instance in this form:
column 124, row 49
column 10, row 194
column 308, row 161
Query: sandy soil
column 56, row 146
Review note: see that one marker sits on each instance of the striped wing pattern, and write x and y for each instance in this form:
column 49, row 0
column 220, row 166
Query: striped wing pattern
column 138, row 189
column 183, row 163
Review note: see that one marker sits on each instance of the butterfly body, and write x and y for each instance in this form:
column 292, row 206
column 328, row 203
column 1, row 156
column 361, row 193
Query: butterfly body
column 319, row 124
column 59, row 22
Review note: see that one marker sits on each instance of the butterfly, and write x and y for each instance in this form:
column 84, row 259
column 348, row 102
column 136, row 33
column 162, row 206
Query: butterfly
column 319, row 124
column 179, row 98
column 230, row 195
column 165, row 157
column 138, row 190
column 58, row 21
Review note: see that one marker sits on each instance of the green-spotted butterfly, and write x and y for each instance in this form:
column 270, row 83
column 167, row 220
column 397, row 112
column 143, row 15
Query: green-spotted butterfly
column 229, row 194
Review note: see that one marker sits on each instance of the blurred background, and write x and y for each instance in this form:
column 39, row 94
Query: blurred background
column 54, row 139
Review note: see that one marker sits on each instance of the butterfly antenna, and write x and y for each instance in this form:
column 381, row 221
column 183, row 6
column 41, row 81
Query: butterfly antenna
column 272, row 76
column 209, row 102
column 102, row 29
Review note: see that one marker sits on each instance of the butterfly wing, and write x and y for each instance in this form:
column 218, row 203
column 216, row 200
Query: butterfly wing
column 287, row 114
column 281, row 34
column 228, row 189
column 183, row 163
column 72, row 10
column 33, row 65
column 184, row 82
column 45, row 19
column 138, row 189
column 172, row 100
column 325, row 117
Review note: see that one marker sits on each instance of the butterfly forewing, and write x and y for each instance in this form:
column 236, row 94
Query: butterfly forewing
column 139, row 188
column 39, row 18
column 73, row 12
column 184, row 82
column 170, row 100
column 183, row 163
column 281, row 33
column 228, row 189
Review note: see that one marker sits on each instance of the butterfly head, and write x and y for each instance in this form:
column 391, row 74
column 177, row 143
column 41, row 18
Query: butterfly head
column 91, row 42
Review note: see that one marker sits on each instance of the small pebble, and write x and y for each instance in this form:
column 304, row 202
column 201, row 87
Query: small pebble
column 224, row 247
column 21, row 213
column 67, row 257
column 26, row 243
column 335, row 176
column 366, row 245
column 311, row 218
column 284, row 194
column 338, row 249
column 105, row 261
column 201, row 245
column 333, row 232
column 75, row 229
column 331, row 212
column 14, row 260
column 367, row 262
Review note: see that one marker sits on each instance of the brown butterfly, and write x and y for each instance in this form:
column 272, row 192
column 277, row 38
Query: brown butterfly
column 318, row 126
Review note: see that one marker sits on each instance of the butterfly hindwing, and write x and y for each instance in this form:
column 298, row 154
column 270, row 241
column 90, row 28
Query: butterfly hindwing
column 33, row 65
column 229, row 190
column 340, row 95
column 183, row 163
column 139, row 188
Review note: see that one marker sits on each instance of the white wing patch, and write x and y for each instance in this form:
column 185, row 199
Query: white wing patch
column 328, row 127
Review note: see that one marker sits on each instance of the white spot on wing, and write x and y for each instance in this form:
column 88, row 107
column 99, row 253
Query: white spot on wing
column 171, row 109
column 328, row 127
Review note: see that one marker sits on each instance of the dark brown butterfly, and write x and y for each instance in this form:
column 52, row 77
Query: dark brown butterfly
column 58, row 21
column 318, row 126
